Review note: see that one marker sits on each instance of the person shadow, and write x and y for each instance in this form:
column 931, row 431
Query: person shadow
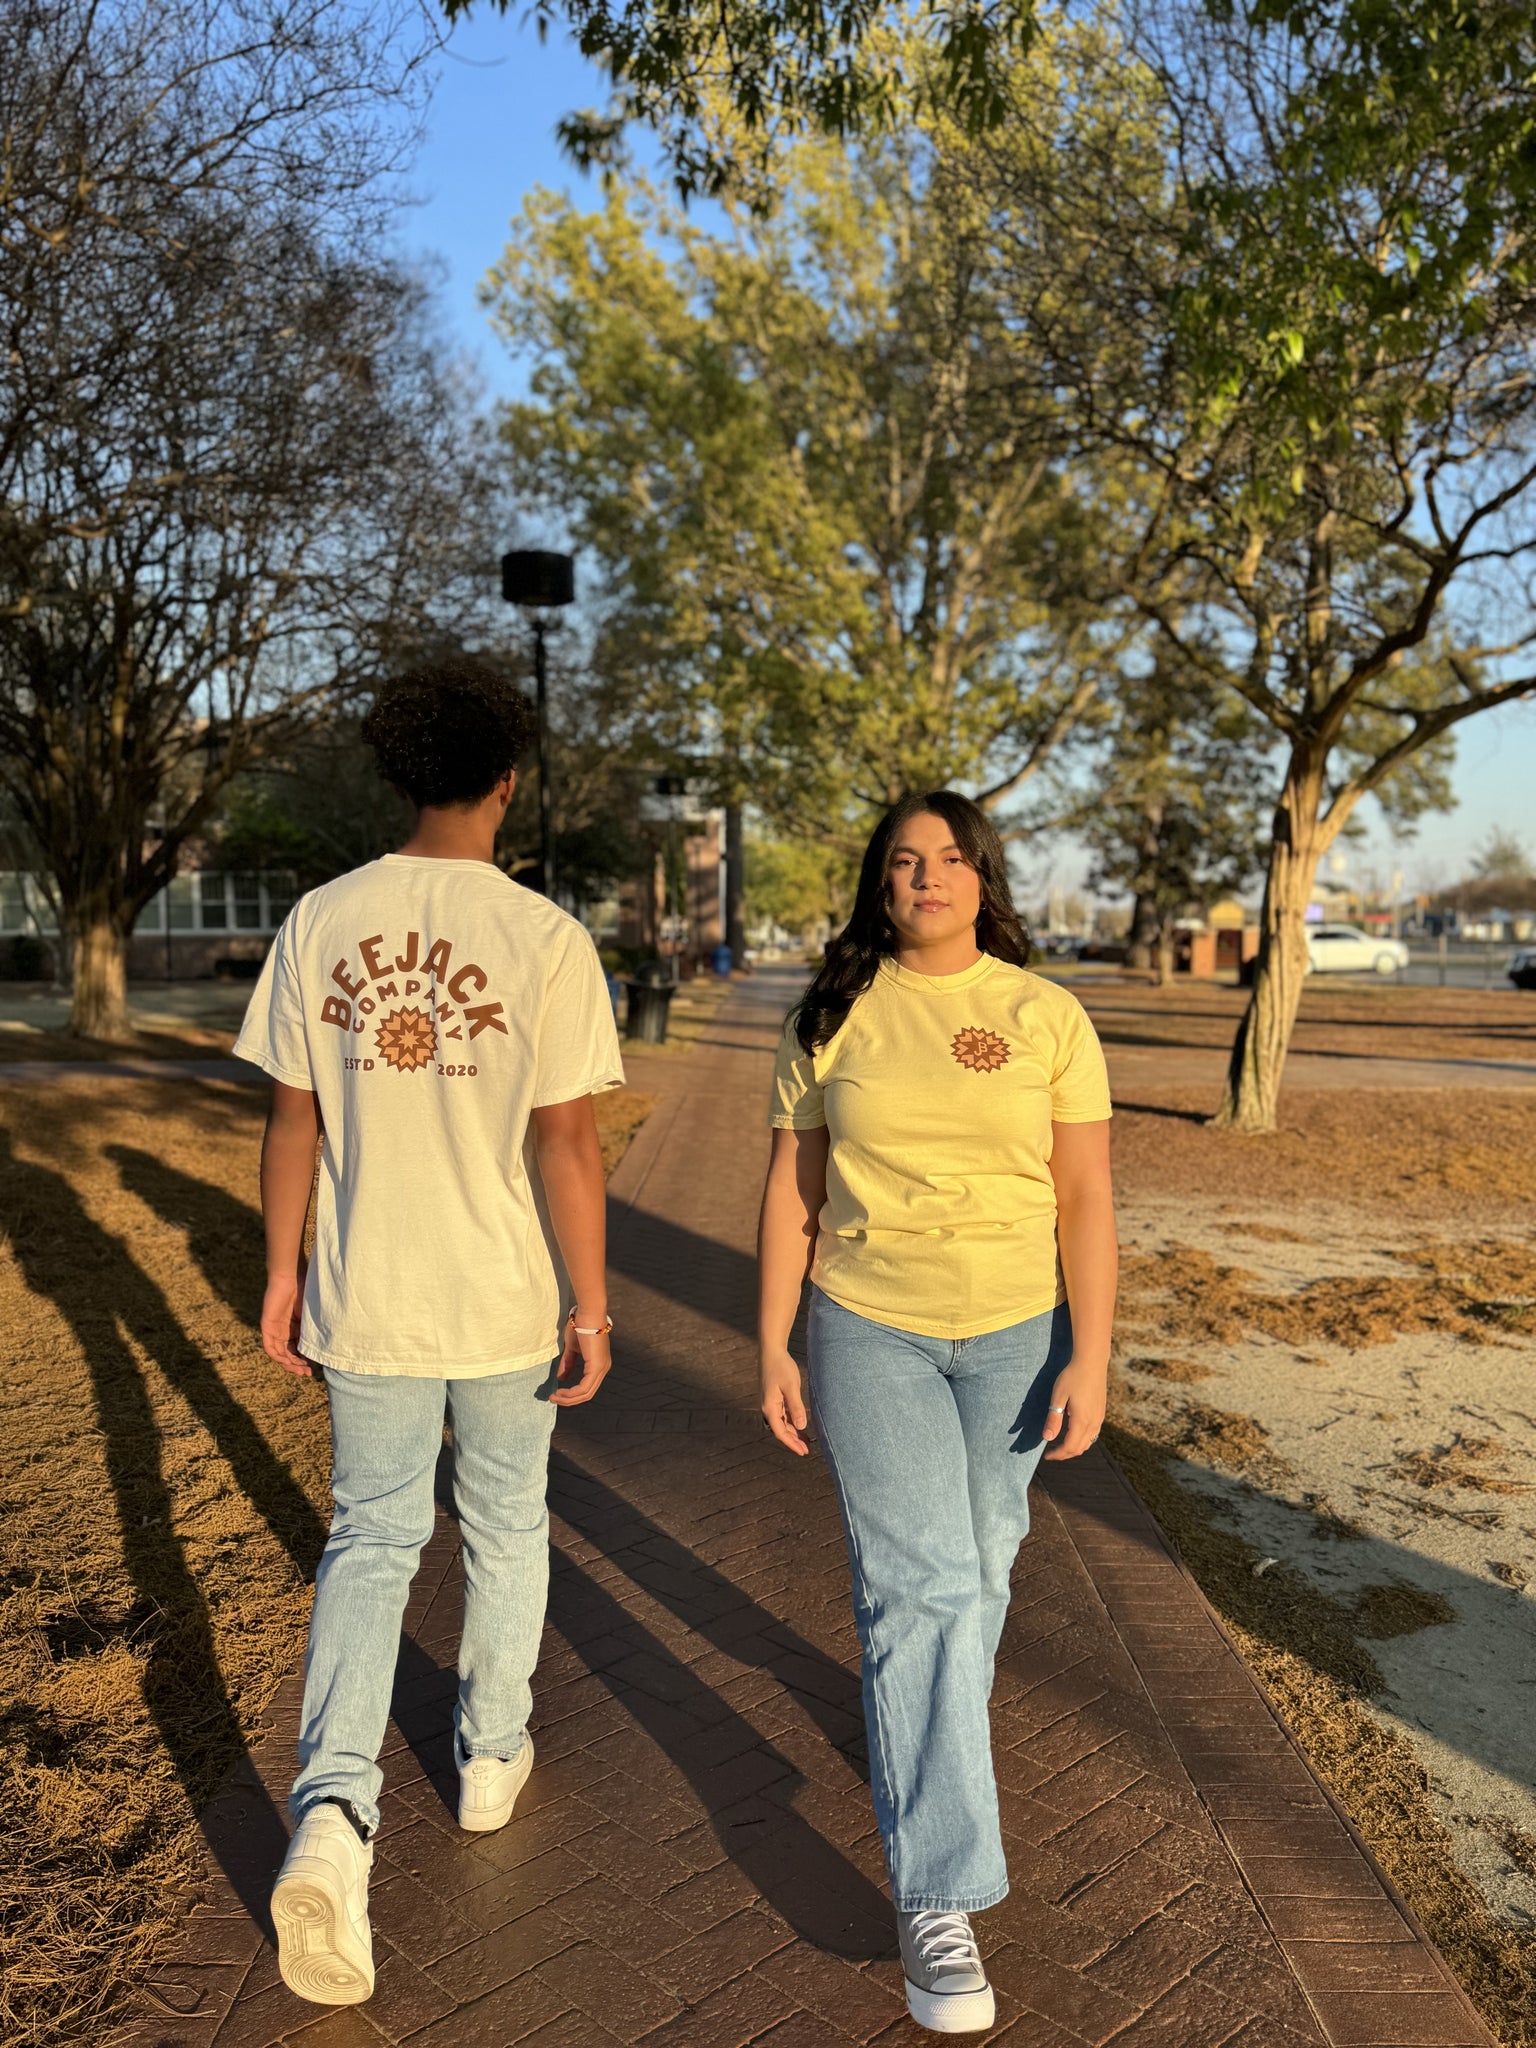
column 115, row 1312
column 792, row 1864
column 748, row 1783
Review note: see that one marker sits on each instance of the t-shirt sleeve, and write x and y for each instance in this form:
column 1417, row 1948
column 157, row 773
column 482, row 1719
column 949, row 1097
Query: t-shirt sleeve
column 273, row 1035
column 578, row 1044
column 795, row 1102
column 1079, row 1079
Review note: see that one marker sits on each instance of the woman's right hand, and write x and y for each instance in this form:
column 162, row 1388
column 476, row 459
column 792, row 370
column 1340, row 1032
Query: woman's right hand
column 783, row 1402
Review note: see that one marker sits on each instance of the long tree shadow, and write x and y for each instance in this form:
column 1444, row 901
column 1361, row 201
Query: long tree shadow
column 1183, row 1116
column 64, row 1255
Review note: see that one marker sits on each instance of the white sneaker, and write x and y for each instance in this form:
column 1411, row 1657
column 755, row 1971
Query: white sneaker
column 488, row 1787
column 947, row 1989
column 320, row 1909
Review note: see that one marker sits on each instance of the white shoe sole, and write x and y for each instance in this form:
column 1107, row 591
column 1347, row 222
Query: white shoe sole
column 319, row 1956
column 485, row 1820
column 951, row 2012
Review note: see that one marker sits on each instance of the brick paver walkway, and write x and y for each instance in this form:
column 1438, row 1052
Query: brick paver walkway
column 693, row 1863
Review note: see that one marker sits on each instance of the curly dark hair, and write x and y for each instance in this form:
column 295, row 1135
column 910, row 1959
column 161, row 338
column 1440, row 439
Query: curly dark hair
column 447, row 732
column 854, row 955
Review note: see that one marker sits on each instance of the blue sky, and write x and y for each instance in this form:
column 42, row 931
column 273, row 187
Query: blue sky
column 491, row 137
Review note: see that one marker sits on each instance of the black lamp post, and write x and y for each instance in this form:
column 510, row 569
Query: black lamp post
column 540, row 581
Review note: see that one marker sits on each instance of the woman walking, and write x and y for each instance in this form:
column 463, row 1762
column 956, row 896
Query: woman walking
column 941, row 1164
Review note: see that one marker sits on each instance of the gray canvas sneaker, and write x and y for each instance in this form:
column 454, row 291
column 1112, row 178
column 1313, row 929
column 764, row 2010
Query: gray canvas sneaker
column 947, row 1989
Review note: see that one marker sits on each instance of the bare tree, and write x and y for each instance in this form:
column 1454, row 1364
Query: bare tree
column 232, row 473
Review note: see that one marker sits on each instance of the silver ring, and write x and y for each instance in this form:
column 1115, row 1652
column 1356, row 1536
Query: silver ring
column 1053, row 1410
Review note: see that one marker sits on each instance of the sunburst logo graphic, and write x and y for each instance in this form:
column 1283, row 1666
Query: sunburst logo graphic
column 407, row 1040
column 982, row 1051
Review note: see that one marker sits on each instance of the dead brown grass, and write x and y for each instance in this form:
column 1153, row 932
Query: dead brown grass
column 1382, row 1020
column 189, row 1041
column 1446, row 1157
column 620, row 1112
column 1200, row 1299
column 1457, row 1153
column 1306, row 1650
column 163, row 1495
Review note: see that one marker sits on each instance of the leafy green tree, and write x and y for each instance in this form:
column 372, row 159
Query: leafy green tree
column 1326, row 437
column 782, row 68
column 795, row 883
column 1185, row 789
column 1502, row 857
column 839, row 559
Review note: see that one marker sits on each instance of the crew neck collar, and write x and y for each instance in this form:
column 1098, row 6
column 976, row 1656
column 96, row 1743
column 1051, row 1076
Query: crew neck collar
column 938, row 984
column 440, row 860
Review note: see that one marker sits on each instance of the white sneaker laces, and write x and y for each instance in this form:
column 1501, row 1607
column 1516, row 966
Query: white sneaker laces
column 945, row 1941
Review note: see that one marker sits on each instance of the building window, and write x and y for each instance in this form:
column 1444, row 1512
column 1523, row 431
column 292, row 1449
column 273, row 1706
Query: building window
column 13, row 903
column 24, row 905
column 206, row 900
column 248, row 907
column 213, row 902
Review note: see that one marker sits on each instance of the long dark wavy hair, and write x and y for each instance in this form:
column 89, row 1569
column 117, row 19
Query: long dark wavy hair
column 854, row 955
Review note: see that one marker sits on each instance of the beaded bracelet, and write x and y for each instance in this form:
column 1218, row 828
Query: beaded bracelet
column 602, row 1331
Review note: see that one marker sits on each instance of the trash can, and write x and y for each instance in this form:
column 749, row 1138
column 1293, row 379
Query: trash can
column 720, row 960
column 645, row 1009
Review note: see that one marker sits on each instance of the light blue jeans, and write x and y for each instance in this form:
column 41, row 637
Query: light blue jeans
column 932, row 1443
column 386, row 1432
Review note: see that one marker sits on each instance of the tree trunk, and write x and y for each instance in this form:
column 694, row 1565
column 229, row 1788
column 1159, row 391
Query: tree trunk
column 735, row 886
column 100, row 1006
column 1251, row 1099
column 1144, row 931
column 1164, row 951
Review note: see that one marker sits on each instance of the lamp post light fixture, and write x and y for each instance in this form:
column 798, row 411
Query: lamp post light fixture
column 540, row 581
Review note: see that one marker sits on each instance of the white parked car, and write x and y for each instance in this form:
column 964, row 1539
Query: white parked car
column 1345, row 949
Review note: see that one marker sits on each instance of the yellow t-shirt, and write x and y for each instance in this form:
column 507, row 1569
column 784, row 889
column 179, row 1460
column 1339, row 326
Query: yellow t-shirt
column 939, row 1092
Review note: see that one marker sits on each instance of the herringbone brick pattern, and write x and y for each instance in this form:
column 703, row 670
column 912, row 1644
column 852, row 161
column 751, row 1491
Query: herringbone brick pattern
column 694, row 1863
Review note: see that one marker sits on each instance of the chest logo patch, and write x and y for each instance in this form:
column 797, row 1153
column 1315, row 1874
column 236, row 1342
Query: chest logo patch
column 982, row 1051
column 407, row 1040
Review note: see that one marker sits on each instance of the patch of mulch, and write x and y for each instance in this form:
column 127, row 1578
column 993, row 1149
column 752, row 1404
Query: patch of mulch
column 1184, row 1371
column 1207, row 1301
column 1236, row 1441
column 1470, row 1462
column 1381, row 1612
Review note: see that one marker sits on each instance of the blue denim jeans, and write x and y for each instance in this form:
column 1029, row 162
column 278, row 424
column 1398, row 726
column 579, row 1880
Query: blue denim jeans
column 386, row 1432
column 932, row 1443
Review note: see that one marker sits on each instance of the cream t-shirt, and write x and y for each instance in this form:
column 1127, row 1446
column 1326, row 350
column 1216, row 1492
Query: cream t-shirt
column 938, row 1094
column 431, row 1005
